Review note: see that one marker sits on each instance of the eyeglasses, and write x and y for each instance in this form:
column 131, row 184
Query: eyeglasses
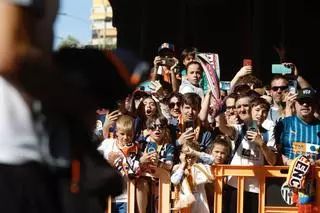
column 230, row 107
column 157, row 126
column 173, row 104
column 280, row 87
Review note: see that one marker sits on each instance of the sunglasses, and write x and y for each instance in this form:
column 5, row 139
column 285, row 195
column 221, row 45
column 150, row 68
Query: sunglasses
column 157, row 126
column 309, row 102
column 277, row 88
column 172, row 104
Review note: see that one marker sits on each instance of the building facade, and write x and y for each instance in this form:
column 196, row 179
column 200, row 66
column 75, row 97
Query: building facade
column 104, row 35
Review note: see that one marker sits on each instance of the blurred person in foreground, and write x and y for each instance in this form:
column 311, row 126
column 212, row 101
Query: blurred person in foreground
column 27, row 184
column 46, row 116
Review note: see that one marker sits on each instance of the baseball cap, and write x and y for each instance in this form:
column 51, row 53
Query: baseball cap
column 306, row 93
column 166, row 46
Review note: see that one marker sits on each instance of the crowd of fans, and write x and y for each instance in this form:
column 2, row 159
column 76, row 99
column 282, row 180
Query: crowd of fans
column 173, row 121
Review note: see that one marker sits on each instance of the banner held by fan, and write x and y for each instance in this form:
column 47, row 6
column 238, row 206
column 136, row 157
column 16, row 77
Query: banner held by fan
column 210, row 65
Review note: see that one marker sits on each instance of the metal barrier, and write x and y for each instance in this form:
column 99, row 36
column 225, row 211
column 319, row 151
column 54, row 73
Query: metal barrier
column 221, row 171
column 164, row 205
column 261, row 173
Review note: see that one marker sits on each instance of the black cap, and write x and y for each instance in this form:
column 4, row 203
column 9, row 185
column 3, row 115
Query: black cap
column 306, row 93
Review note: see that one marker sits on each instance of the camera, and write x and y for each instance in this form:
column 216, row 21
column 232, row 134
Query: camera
column 167, row 61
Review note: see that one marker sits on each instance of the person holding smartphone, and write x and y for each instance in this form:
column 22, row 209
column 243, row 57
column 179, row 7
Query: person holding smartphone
column 256, row 146
column 157, row 152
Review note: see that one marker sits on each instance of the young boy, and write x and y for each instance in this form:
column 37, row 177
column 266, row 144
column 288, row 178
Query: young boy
column 121, row 153
column 188, row 55
column 191, row 82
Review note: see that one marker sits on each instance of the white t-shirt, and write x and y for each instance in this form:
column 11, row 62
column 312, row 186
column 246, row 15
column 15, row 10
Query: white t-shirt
column 250, row 154
column 107, row 146
column 187, row 87
column 19, row 142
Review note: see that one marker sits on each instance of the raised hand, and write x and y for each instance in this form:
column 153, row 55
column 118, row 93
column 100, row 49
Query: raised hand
column 157, row 61
column 112, row 117
column 255, row 137
column 188, row 135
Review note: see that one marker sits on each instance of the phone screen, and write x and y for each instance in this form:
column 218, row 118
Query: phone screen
column 189, row 124
column 152, row 146
column 225, row 85
column 292, row 86
column 253, row 126
column 247, row 62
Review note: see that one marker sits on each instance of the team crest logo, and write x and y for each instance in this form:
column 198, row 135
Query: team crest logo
column 287, row 194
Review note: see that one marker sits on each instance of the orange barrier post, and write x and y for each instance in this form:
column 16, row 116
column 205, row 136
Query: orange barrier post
column 164, row 205
column 261, row 172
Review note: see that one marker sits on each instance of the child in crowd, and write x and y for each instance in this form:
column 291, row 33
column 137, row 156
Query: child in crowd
column 188, row 55
column 158, row 152
column 191, row 82
column 122, row 154
column 192, row 176
column 219, row 151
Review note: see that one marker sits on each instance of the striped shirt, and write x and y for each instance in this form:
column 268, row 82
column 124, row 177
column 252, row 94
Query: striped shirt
column 298, row 138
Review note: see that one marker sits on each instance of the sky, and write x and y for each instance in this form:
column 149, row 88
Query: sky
column 75, row 22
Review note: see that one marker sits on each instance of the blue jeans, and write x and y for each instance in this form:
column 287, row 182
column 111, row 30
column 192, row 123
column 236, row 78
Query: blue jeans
column 119, row 207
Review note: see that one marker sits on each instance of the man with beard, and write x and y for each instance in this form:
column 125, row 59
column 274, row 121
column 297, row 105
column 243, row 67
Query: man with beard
column 300, row 134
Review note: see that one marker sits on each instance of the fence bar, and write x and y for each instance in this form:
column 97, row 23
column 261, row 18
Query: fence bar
column 262, row 192
column 131, row 189
column 280, row 209
column 240, row 194
column 218, row 192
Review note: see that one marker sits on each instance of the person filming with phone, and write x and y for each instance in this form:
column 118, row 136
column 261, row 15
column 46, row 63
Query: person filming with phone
column 255, row 147
column 165, row 65
column 189, row 126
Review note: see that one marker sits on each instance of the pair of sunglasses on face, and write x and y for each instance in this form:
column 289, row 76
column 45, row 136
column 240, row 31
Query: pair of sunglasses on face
column 282, row 88
column 173, row 104
column 306, row 101
column 157, row 126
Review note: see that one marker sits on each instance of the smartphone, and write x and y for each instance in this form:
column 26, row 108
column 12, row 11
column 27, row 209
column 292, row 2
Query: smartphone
column 189, row 124
column 280, row 69
column 225, row 85
column 247, row 62
column 253, row 126
column 152, row 146
column 292, row 86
